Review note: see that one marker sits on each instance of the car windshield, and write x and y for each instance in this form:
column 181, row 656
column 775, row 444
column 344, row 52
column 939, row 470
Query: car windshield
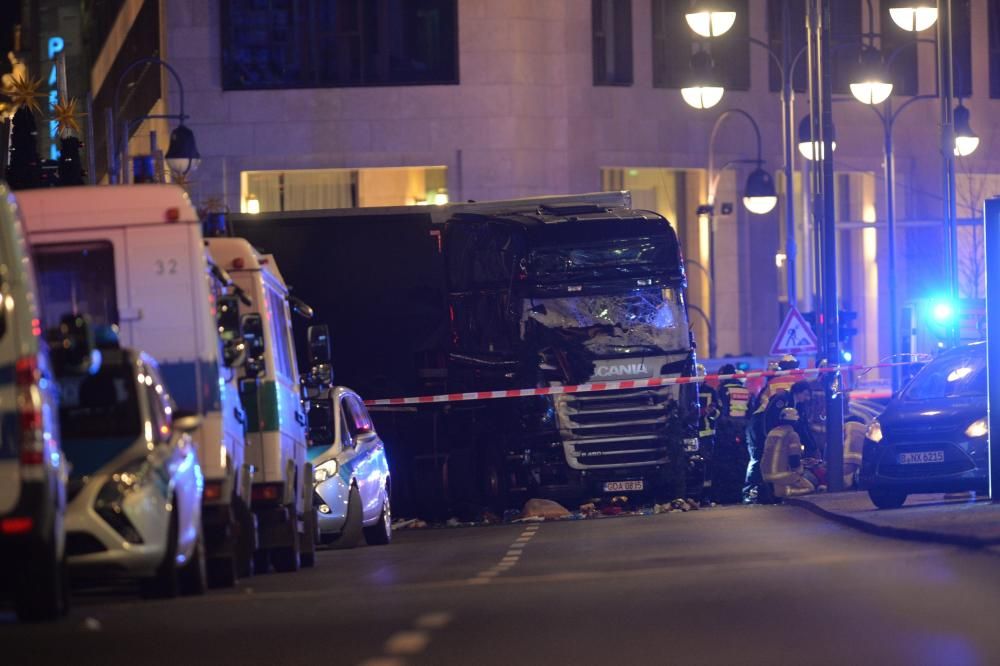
column 102, row 405
column 646, row 320
column 953, row 376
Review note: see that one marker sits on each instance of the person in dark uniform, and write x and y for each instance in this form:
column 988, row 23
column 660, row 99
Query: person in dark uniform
column 730, row 460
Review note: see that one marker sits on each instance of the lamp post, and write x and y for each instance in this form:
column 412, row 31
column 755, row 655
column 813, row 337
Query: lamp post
column 182, row 155
column 759, row 197
column 868, row 86
column 697, row 19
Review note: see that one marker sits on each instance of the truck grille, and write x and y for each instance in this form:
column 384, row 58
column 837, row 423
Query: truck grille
column 614, row 428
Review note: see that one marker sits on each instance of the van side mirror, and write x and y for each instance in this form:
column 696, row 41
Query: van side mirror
column 252, row 326
column 300, row 307
column 318, row 336
column 228, row 322
column 72, row 345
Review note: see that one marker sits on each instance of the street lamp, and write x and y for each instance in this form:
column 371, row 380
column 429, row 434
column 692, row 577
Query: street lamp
column 759, row 195
column 966, row 140
column 710, row 18
column 913, row 16
column 182, row 155
column 704, row 89
column 871, row 83
column 812, row 149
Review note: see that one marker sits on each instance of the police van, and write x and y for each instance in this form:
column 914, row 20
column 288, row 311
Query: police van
column 271, row 392
column 33, row 470
column 133, row 257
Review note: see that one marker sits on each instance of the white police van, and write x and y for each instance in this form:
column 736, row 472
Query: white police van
column 32, row 468
column 133, row 257
column 276, row 423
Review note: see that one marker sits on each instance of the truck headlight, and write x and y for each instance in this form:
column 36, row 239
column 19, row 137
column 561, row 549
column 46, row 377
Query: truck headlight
column 874, row 432
column 978, row 428
column 324, row 471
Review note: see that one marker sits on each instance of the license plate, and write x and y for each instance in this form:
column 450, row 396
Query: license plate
column 620, row 486
column 920, row 457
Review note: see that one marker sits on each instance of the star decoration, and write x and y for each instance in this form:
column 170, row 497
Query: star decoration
column 23, row 91
column 67, row 116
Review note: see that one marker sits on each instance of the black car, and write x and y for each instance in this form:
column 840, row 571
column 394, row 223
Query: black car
column 932, row 436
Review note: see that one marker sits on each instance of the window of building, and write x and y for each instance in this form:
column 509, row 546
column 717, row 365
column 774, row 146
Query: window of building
column 845, row 31
column 612, row 28
column 993, row 20
column 674, row 42
column 961, row 47
column 332, row 43
column 319, row 189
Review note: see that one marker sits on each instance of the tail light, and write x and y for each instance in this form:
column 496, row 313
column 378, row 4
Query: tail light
column 213, row 490
column 29, row 410
column 16, row 525
column 266, row 492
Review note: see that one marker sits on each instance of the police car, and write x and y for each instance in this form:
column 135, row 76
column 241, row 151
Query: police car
column 136, row 485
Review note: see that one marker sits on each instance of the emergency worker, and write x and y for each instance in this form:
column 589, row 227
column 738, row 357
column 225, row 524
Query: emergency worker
column 782, row 383
column 708, row 413
column 730, row 459
column 781, row 464
column 765, row 419
column 854, row 444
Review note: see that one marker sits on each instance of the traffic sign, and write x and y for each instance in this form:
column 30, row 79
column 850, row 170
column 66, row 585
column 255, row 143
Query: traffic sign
column 795, row 336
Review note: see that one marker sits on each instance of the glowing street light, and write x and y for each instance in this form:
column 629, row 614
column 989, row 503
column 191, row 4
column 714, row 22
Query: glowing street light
column 871, row 84
column 710, row 18
column 704, row 89
column 810, row 149
column 966, row 140
column 759, row 195
column 913, row 16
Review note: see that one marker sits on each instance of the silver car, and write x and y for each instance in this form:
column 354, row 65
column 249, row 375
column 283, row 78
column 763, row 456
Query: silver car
column 352, row 477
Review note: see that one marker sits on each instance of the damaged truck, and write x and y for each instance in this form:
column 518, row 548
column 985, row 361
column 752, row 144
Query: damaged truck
column 463, row 298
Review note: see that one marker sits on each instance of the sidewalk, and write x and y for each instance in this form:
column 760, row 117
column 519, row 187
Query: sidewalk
column 922, row 518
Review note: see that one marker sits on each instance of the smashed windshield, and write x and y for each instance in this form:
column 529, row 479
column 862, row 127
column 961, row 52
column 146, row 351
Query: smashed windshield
column 644, row 320
column 953, row 376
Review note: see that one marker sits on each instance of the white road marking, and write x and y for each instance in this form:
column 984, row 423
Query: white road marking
column 515, row 546
column 383, row 661
column 433, row 620
column 407, row 642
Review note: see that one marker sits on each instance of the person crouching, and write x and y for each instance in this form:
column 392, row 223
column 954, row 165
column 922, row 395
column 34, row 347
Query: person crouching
column 781, row 463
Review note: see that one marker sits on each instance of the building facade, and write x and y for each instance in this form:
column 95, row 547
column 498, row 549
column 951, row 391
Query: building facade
column 301, row 104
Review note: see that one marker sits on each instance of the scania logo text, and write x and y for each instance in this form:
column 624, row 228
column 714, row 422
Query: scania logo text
column 622, row 370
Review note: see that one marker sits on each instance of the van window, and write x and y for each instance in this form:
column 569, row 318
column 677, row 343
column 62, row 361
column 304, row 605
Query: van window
column 76, row 278
column 279, row 329
column 358, row 421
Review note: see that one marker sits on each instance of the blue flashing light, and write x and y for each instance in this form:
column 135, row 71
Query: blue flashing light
column 942, row 312
column 847, row 356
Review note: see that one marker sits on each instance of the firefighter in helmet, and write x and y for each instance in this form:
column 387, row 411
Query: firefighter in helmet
column 781, row 464
column 854, row 444
column 730, row 459
column 779, row 383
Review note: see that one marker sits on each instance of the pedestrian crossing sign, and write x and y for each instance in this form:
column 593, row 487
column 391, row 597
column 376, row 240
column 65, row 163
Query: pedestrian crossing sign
column 795, row 336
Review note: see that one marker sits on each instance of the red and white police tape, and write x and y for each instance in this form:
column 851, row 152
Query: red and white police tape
column 621, row 384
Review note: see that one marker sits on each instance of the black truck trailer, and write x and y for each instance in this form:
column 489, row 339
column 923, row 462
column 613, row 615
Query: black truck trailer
column 473, row 297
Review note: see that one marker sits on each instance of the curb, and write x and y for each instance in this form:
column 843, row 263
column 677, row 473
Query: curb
column 905, row 533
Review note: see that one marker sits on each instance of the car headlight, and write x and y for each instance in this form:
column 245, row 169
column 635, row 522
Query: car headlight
column 978, row 428
column 874, row 432
column 324, row 471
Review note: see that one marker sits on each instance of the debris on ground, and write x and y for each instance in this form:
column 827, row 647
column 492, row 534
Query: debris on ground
column 408, row 523
column 544, row 509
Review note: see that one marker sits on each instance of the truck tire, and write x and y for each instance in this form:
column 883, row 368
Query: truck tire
column 163, row 584
column 42, row 589
column 887, row 499
column 352, row 533
column 380, row 534
column 194, row 576
column 286, row 559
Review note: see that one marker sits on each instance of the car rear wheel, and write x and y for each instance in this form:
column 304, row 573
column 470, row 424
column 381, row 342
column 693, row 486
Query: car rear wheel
column 41, row 593
column 887, row 499
column 380, row 533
